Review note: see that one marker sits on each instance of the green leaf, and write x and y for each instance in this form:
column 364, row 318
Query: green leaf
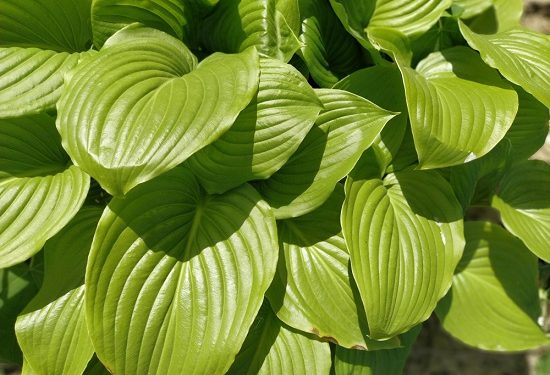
column 109, row 16
column 59, row 303
column 404, row 235
column 236, row 25
column 17, row 287
column 367, row 83
column 524, row 204
column 459, row 108
column 520, row 55
column 313, row 290
column 412, row 18
column 137, row 110
column 39, row 190
column 530, row 127
column 503, row 15
column 493, row 303
column 378, row 362
column 470, row 8
column 61, row 25
column 328, row 50
column 265, row 134
column 346, row 127
column 31, row 79
column 95, row 367
column 175, row 277
column 271, row 348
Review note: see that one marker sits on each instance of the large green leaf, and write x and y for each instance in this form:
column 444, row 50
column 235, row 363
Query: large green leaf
column 346, row 127
column 17, row 287
column 328, row 50
column 493, row 303
column 367, row 83
column 137, row 110
column 59, row 303
column 378, row 362
column 520, row 55
column 271, row 348
column 312, row 290
column 61, row 25
column 175, row 276
column 411, row 18
column 530, row 127
column 524, row 204
column 39, row 190
column 109, row 16
column 236, row 25
column 31, row 79
column 470, row 8
column 404, row 236
column 459, row 107
column 266, row 133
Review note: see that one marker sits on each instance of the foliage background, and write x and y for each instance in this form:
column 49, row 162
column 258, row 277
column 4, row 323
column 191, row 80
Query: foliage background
column 435, row 352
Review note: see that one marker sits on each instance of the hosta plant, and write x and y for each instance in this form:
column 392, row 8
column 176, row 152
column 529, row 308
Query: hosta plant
column 267, row 186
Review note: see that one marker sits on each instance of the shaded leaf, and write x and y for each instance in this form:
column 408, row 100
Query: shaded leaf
column 346, row 127
column 503, row 15
column 61, row 25
column 493, row 303
column 265, row 134
column 271, row 348
column 378, row 362
column 175, row 276
column 524, row 204
column 39, row 190
column 59, row 303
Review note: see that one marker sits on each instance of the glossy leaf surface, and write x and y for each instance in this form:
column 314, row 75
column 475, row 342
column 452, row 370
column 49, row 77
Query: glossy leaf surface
column 493, row 303
column 130, row 131
column 401, row 273
column 459, row 108
column 175, row 276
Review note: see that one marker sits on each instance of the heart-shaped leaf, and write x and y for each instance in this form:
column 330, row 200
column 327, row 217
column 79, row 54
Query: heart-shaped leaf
column 60, row 303
column 31, row 79
column 404, row 235
column 312, row 290
column 493, row 303
column 524, row 204
column 378, row 362
column 266, row 133
column 61, row 25
column 528, row 65
column 236, row 25
column 346, row 127
column 137, row 110
column 175, row 276
column 271, row 348
column 39, row 190
column 328, row 50
column 459, row 107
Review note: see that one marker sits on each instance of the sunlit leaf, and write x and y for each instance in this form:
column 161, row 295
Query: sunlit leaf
column 175, row 276
column 138, row 109
column 493, row 303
